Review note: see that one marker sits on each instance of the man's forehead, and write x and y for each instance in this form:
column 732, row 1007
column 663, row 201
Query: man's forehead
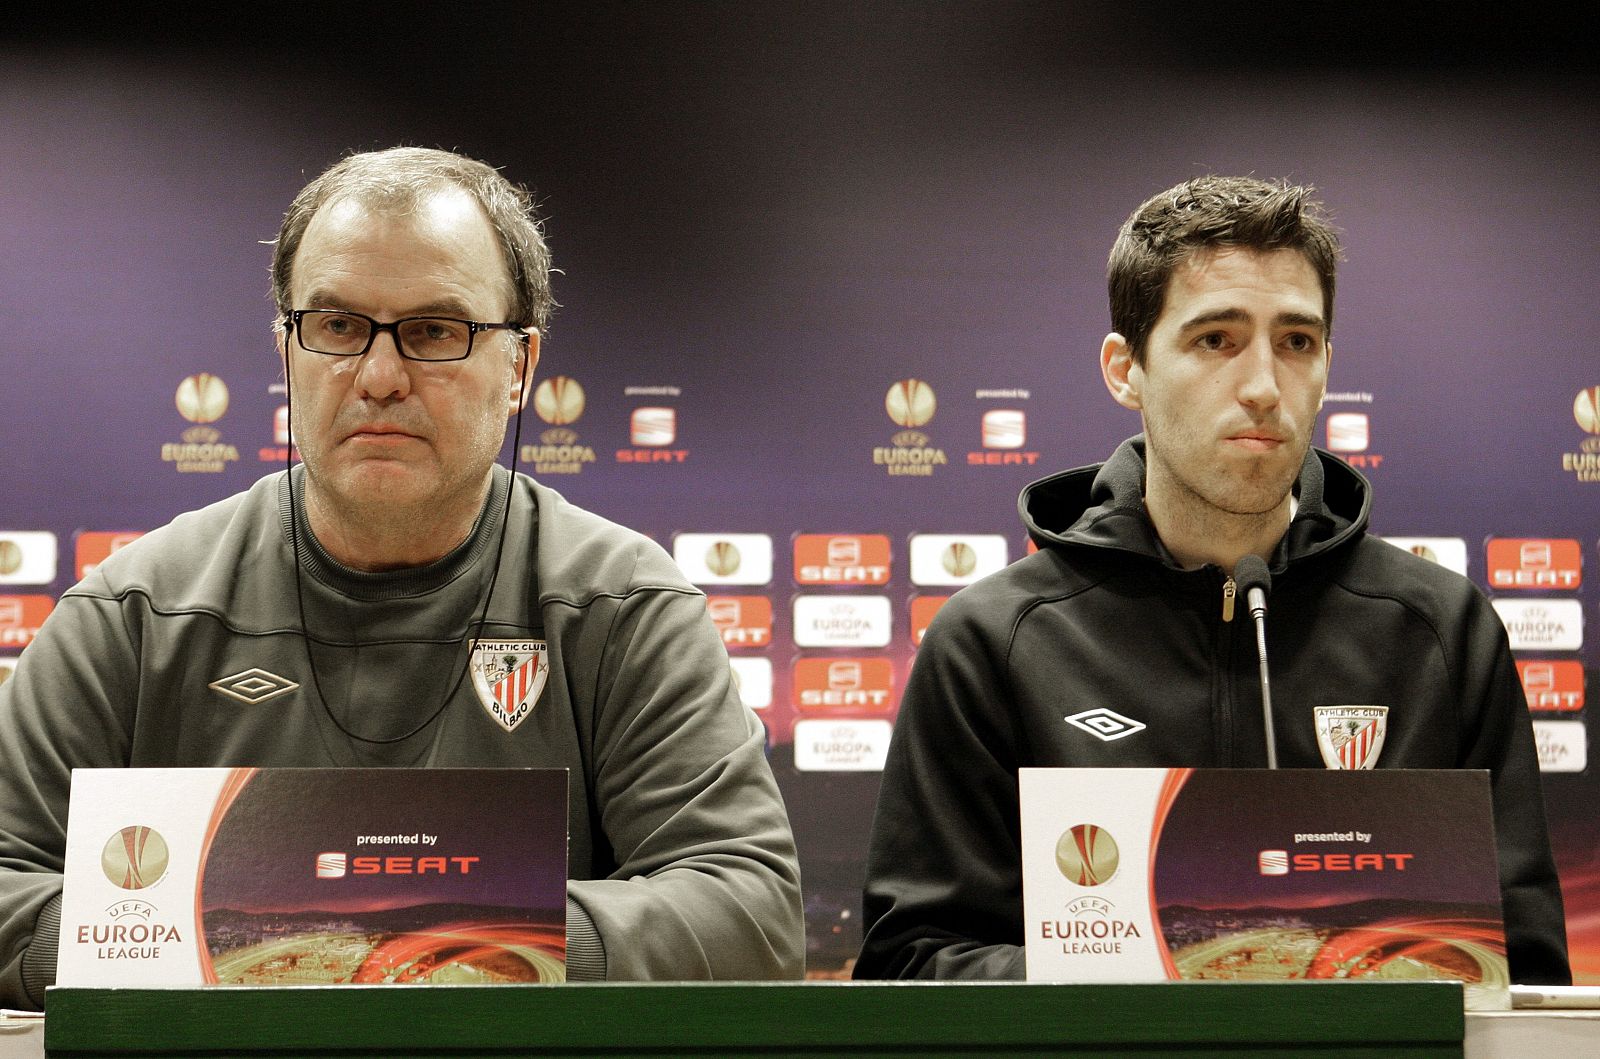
column 1215, row 273
column 441, row 231
column 1207, row 259
column 445, row 208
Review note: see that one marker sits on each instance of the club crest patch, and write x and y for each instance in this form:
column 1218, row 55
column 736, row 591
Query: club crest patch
column 1350, row 737
column 509, row 677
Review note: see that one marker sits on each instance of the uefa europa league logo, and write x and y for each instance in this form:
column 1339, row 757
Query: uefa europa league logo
column 559, row 401
column 10, row 557
column 723, row 558
column 1087, row 855
column 134, row 858
column 1586, row 409
column 202, row 398
column 959, row 560
column 910, row 403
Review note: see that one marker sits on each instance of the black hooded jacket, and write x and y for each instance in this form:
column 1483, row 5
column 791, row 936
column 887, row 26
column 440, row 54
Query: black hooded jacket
column 1102, row 616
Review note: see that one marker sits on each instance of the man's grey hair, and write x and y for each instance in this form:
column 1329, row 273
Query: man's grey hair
column 393, row 182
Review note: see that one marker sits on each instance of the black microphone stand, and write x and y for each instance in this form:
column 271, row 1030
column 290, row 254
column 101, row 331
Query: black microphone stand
column 1255, row 581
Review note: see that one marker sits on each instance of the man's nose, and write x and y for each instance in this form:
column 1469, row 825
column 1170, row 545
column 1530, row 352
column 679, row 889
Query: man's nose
column 383, row 372
column 1257, row 366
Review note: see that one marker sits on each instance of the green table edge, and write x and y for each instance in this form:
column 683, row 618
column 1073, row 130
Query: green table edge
column 653, row 1016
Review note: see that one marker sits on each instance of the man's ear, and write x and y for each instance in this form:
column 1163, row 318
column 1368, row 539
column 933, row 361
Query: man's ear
column 1327, row 369
column 522, row 369
column 1123, row 377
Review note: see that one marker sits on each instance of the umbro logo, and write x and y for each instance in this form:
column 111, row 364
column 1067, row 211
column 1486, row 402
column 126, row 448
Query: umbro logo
column 253, row 686
column 1105, row 725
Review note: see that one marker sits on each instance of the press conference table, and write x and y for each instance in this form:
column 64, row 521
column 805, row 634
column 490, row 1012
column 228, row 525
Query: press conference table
column 811, row 1018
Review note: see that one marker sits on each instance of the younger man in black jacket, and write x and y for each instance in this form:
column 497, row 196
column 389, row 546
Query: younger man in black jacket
column 1117, row 643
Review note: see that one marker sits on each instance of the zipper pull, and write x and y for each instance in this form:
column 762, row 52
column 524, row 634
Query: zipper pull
column 1229, row 591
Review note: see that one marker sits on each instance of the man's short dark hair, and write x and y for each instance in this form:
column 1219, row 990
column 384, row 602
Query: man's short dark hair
column 1205, row 213
column 394, row 181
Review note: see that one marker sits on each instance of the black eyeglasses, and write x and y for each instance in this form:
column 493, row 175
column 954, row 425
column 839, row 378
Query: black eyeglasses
column 430, row 338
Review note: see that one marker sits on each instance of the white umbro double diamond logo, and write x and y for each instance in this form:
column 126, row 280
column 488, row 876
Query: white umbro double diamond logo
column 1106, row 725
column 253, row 686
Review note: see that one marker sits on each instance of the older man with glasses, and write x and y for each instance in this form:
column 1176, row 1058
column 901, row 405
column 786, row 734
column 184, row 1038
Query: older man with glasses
column 381, row 592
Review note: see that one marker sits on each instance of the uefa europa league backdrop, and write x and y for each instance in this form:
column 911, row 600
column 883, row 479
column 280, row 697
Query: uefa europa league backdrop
column 833, row 292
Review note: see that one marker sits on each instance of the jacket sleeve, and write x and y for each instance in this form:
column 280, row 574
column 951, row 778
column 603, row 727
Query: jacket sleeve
column 62, row 709
column 1501, row 740
column 707, row 883
column 943, row 894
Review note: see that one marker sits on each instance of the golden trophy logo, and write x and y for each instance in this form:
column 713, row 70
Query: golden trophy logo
column 202, row 398
column 10, row 557
column 559, row 401
column 722, row 558
column 959, row 560
column 1586, row 409
column 134, row 858
column 1087, row 855
column 910, row 403
column 1584, row 464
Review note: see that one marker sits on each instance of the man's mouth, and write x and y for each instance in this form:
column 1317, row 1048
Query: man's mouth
column 1256, row 440
column 381, row 434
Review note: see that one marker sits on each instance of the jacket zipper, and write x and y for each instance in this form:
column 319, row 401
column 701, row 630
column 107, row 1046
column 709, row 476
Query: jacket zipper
column 1223, row 693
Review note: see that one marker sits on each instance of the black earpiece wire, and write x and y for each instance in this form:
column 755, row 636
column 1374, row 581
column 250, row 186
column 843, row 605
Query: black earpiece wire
column 475, row 628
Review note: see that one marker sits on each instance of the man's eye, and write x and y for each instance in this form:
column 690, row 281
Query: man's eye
column 1212, row 340
column 434, row 329
column 337, row 326
column 1300, row 343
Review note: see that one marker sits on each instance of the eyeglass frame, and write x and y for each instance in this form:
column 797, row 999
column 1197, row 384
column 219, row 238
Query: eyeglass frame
column 291, row 324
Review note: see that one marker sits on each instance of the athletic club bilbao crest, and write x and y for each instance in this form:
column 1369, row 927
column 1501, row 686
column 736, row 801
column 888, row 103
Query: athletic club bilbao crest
column 509, row 676
column 1351, row 737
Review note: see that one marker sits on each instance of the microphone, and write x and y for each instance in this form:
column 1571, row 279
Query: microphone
column 1255, row 581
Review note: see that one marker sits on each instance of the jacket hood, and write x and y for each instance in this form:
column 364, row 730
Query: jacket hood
column 1102, row 506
